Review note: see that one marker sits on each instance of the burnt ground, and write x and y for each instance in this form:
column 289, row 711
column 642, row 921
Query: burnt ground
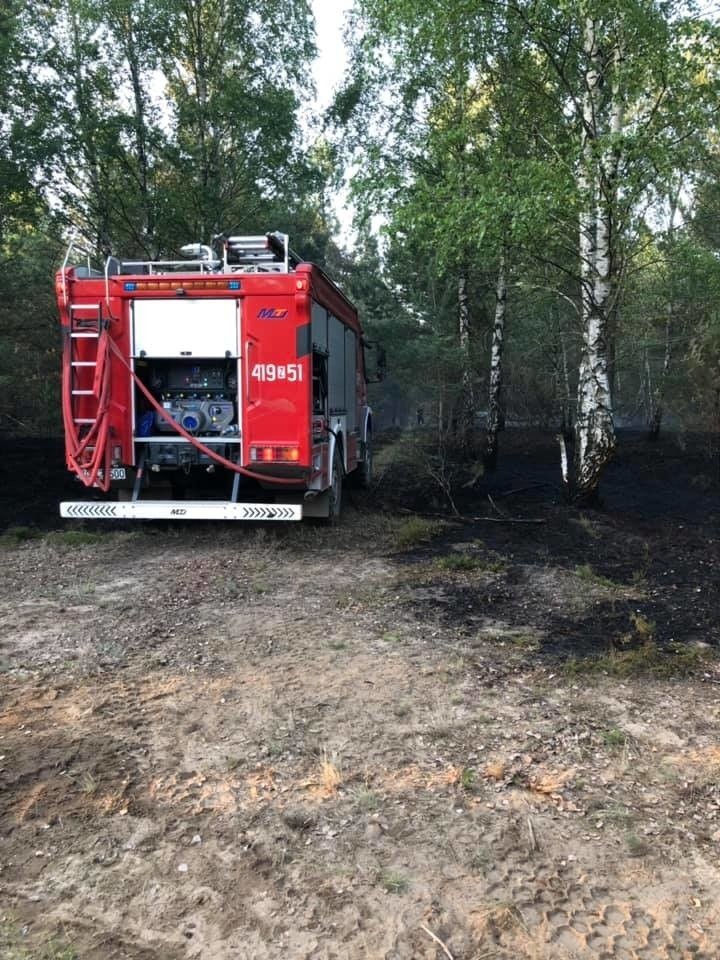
column 653, row 544
column 406, row 737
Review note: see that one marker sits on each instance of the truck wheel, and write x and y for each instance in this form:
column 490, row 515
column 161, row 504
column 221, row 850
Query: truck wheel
column 335, row 492
column 364, row 471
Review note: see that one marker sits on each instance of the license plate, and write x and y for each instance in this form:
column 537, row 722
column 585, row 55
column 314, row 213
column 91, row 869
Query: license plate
column 117, row 473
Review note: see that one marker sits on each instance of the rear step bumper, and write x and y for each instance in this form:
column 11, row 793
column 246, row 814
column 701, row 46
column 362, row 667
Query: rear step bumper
column 179, row 510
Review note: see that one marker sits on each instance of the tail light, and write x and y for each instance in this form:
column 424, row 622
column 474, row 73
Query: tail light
column 274, row 454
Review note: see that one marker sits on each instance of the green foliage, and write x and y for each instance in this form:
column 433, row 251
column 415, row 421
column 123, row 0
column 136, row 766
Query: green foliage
column 466, row 125
column 138, row 127
column 141, row 125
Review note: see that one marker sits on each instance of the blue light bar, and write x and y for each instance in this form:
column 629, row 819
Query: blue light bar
column 129, row 285
column 234, row 284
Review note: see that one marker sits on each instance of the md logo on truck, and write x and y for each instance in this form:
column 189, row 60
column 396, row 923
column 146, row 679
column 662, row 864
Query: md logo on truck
column 270, row 313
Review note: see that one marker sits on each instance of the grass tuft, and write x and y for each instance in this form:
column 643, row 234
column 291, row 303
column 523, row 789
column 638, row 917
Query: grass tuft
column 12, row 946
column 586, row 573
column 614, row 737
column 367, row 799
column 662, row 662
column 464, row 562
column 17, row 535
column 394, row 882
column 415, row 531
column 88, row 784
column 75, row 538
column 637, row 847
column 330, row 777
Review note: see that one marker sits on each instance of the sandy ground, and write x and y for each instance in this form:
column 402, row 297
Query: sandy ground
column 357, row 743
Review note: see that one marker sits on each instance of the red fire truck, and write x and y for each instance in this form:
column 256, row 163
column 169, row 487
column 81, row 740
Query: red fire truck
column 227, row 385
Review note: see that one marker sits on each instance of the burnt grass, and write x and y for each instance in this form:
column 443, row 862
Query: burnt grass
column 648, row 555
column 647, row 558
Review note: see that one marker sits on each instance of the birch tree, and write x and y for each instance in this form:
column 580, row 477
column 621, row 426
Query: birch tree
column 634, row 94
column 449, row 160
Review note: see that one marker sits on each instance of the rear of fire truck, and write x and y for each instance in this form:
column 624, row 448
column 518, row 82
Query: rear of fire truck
column 201, row 388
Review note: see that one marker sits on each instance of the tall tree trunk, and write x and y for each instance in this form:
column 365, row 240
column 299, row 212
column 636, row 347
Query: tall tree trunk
column 658, row 394
column 717, row 427
column 96, row 196
column 141, row 138
column 466, row 412
column 566, row 424
column 496, row 368
column 594, row 431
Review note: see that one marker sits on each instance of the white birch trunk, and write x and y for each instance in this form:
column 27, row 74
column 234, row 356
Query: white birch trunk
column 594, row 432
column 496, row 368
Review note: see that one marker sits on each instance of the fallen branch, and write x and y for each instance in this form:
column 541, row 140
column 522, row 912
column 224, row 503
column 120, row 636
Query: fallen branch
column 529, row 486
column 20, row 423
column 498, row 520
column 450, row 518
column 496, row 508
column 534, row 845
column 437, row 940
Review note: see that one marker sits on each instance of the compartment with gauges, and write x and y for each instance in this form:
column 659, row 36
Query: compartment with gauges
column 200, row 396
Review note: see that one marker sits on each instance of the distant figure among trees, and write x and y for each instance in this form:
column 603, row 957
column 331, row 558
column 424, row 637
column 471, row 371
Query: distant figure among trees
column 420, row 417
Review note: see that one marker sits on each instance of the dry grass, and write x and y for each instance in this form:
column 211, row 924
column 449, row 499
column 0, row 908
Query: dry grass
column 330, row 777
column 499, row 917
column 496, row 769
column 550, row 783
column 701, row 765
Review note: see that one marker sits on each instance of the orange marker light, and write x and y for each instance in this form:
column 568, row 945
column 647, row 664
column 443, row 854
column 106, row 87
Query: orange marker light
column 275, row 454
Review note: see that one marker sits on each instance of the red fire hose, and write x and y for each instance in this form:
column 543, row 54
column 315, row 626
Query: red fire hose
column 88, row 470
column 218, row 458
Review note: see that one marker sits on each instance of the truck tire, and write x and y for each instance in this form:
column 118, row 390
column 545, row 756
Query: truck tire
column 336, row 484
column 364, row 472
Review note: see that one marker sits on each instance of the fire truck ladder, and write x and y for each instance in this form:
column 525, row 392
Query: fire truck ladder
column 87, row 440
column 269, row 253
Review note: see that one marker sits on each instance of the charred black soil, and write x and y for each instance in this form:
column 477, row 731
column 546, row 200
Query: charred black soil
column 649, row 554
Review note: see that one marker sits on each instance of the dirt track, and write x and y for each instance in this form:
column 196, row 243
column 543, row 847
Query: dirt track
column 249, row 743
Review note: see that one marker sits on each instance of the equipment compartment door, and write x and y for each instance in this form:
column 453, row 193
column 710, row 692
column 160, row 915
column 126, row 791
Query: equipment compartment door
column 185, row 328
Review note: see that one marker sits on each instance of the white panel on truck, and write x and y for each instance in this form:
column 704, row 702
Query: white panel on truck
column 319, row 326
column 350, row 387
column 336, row 365
column 185, row 328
